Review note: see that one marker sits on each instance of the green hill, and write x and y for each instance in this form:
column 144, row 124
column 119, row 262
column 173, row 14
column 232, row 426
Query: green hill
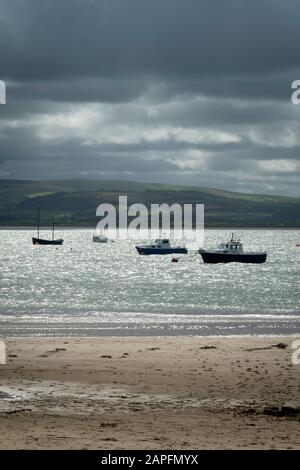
column 74, row 202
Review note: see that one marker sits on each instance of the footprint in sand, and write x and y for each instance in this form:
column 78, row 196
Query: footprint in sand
column 48, row 353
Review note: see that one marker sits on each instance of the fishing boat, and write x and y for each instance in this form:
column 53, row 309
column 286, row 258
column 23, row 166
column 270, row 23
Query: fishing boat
column 232, row 252
column 100, row 238
column 160, row 247
column 41, row 241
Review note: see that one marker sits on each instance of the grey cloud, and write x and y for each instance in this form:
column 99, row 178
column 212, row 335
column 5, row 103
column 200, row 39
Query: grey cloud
column 102, row 89
column 151, row 66
column 59, row 38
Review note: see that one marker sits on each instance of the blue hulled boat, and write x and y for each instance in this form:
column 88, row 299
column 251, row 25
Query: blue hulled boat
column 232, row 252
column 161, row 247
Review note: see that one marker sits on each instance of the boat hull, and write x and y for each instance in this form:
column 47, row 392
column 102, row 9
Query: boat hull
column 160, row 251
column 213, row 257
column 41, row 241
column 99, row 239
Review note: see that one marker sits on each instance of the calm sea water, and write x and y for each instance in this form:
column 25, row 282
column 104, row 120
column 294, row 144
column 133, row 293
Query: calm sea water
column 99, row 289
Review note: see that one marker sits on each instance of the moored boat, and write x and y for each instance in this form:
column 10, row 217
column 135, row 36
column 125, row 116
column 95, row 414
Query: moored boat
column 100, row 238
column 232, row 252
column 160, row 247
column 42, row 241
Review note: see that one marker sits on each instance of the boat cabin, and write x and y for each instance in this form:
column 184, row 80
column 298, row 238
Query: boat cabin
column 234, row 247
column 100, row 238
column 162, row 243
column 161, row 246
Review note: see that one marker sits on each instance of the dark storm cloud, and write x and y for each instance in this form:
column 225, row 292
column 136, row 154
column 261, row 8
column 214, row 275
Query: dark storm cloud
column 192, row 91
column 63, row 38
column 103, row 89
column 232, row 48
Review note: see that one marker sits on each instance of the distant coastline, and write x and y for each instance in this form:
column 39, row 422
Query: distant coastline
column 91, row 227
column 73, row 203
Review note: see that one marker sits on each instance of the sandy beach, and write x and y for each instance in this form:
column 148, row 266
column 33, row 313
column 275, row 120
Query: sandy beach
column 150, row 393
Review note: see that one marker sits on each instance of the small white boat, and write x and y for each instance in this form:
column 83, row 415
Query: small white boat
column 100, row 238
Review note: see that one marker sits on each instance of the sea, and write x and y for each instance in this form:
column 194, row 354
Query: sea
column 93, row 289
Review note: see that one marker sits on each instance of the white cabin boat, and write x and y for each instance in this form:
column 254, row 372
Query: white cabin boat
column 100, row 238
column 161, row 246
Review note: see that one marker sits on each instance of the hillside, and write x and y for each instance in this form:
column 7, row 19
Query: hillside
column 74, row 202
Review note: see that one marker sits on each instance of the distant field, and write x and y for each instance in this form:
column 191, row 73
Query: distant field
column 74, row 202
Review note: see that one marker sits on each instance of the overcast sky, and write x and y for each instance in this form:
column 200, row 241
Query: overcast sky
column 179, row 91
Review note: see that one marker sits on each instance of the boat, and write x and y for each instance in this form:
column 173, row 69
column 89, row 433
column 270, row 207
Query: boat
column 160, row 247
column 41, row 241
column 232, row 252
column 100, row 238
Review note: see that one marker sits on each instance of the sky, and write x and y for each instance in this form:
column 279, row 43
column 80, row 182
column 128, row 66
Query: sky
column 193, row 92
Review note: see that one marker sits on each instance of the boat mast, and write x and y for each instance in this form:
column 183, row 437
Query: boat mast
column 53, row 230
column 38, row 223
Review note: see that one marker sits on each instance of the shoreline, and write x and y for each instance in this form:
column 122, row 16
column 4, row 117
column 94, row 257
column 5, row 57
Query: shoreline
column 205, row 329
column 166, row 336
column 184, row 392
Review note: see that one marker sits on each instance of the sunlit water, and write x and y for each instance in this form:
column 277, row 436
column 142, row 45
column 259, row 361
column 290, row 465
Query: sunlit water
column 91, row 288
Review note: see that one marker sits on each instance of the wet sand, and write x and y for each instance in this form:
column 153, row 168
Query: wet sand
column 150, row 393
